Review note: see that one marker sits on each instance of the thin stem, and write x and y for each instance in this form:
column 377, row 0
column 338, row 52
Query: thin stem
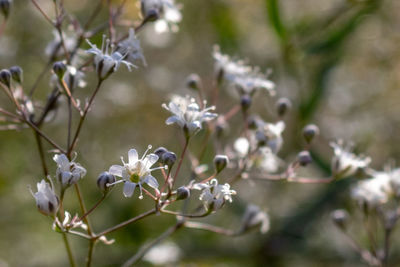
column 83, row 235
column 41, row 153
column 209, row 227
column 83, row 208
column 48, row 139
column 42, row 12
column 186, row 215
column 387, row 247
column 90, row 253
column 93, row 208
column 180, row 161
column 125, row 223
column 69, row 252
column 142, row 251
column 83, row 116
column 69, row 122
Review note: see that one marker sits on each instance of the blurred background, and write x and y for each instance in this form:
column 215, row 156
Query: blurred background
column 337, row 60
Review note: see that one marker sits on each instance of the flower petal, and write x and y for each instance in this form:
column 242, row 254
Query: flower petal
column 150, row 160
column 117, row 170
column 62, row 161
column 133, row 156
column 151, row 181
column 172, row 120
column 129, row 188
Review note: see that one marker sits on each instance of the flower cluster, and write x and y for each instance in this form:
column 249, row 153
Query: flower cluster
column 214, row 195
column 68, row 172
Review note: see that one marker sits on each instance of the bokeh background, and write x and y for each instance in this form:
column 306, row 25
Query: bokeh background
column 337, row 60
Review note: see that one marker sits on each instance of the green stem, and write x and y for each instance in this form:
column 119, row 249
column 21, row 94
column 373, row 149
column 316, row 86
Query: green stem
column 69, row 252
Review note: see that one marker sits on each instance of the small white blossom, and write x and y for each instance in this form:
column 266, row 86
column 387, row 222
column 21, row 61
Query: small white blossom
column 345, row 163
column 163, row 254
column 69, row 222
column 271, row 134
column 214, row 195
column 244, row 77
column 46, row 200
column 106, row 61
column 166, row 13
column 373, row 191
column 255, row 217
column 188, row 114
column 242, row 146
column 55, row 47
column 131, row 49
column 136, row 172
column 267, row 161
column 68, row 172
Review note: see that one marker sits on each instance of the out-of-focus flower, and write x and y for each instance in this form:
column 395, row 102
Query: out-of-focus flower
column 247, row 79
column 345, row 163
column 165, row 12
column 72, row 77
column 46, row 200
column 68, row 172
column 214, row 195
column 55, row 47
column 163, row 254
column 373, row 191
column 255, row 217
column 136, row 172
column 270, row 134
column 267, row 161
column 69, row 222
column 106, row 60
column 242, row 146
column 131, row 49
column 188, row 114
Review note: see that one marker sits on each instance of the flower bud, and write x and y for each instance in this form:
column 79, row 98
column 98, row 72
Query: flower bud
column 168, row 158
column 5, row 6
column 245, row 102
column 220, row 162
column 104, row 179
column 193, row 81
column 252, row 122
column 151, row 9
column 304, row 158
column 46, row 200
column 340, row 218
column 283, row 105
column 59, row 69
column 16, row 73
column 160, row 152
column 309, row 132
column 5, row 77
column 182, row 193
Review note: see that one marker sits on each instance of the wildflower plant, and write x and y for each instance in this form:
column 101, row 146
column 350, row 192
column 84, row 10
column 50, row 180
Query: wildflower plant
column 253, row 151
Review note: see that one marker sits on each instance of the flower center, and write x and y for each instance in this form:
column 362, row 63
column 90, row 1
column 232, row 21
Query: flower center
column 134, row 178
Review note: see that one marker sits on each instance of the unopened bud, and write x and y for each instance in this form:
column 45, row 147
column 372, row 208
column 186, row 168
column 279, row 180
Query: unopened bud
column 283, row 105
column 245, row 102
column 5, row 6
column 193, row 81
column 16, row 73
column 252, row 122
column 220, row 162
column 309, row 132
column 160, row 152
column 182, row 193
column 59, row 69
column 340, row 218
column 151, row 9
column 304, row 158
column 5, row 77
column 168, row 158
column 104, row 179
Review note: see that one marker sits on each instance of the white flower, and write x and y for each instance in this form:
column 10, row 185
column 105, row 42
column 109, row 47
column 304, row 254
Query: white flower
column 55, row 47
column 254, row 217
column 267, row 161
column 345, row 163
column 244, row 77
column 68, row 172
column 69, row 222
column 136, row 172
column 242, row 146
column 131, row 49
column 73, row 78
column 188, row 114
column 373, row 191
column 106, row 61
column 166, row 13
column 214, row 195
column 163, row 254
column 46, row 200
column 271, row 134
